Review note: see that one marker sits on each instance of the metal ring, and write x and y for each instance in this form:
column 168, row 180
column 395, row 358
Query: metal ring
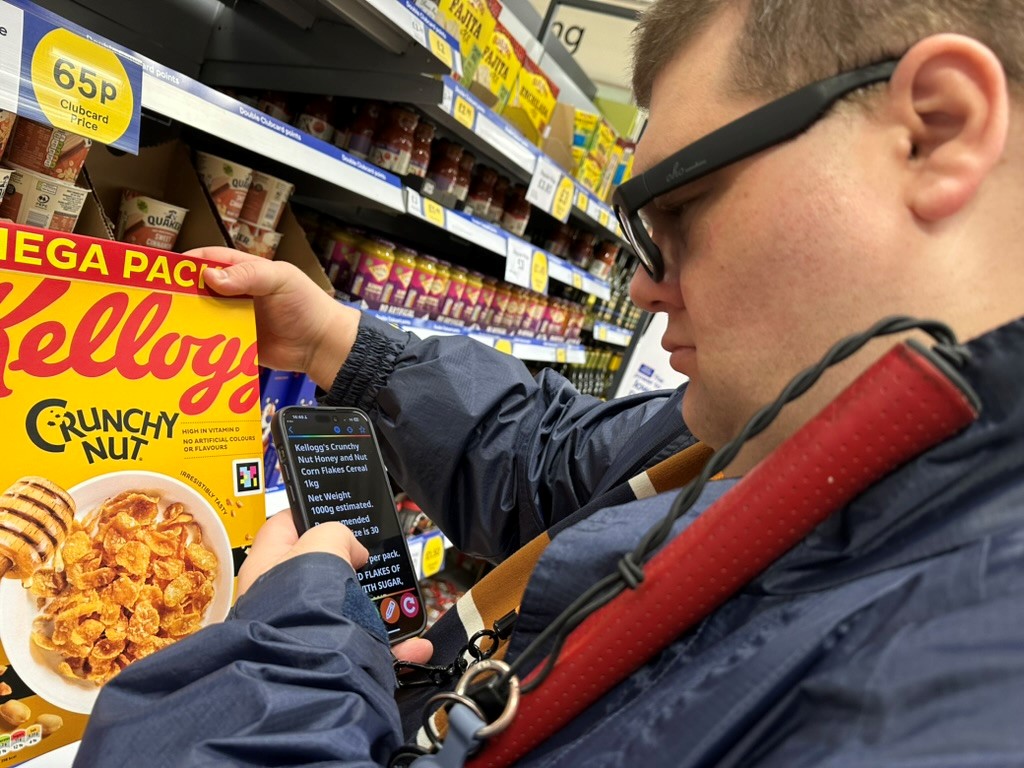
column 511, row 704
column 428, row 722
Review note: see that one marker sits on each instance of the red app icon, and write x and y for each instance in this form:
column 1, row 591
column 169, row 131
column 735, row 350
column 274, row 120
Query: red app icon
column 410, row 605
column 389, row 610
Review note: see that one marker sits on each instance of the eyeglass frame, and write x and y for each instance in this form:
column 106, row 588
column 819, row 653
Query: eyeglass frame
column 765, row 127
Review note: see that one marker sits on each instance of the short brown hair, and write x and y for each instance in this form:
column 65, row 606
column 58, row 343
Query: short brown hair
column 788, row 43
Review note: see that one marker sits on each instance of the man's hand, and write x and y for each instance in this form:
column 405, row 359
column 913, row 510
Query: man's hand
column 277, row 541
column 298, row 326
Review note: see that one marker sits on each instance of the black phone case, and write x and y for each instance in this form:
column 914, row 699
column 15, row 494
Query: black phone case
column 296, row 499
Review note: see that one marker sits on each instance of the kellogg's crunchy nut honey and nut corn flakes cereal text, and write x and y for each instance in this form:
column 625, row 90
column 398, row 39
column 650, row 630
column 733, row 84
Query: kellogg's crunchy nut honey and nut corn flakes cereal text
column 131, row 462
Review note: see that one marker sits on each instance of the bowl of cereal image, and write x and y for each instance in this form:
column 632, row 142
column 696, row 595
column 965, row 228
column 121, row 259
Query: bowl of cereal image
column 147, row 563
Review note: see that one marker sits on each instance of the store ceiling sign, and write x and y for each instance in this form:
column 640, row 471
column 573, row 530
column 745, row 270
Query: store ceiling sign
column 68, row 78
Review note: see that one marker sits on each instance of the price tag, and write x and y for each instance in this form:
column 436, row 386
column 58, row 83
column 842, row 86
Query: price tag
column 447, row 97
column 539, row 272
column 560, row 355
column 12, row 20
column 464, row 112
column 577, row 280
column 603, row 217
column 433, row 555
column 581, row 200
column 417, row 30
column 503, row 345
column 439, row 46
column 80, row 86
column 433, row 212
column 416, row 553
column 547, row 187
column 519, row 263
column 601, row 331
column 563, row 199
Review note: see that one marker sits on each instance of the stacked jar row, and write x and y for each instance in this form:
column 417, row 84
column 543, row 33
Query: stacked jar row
column 397, row 279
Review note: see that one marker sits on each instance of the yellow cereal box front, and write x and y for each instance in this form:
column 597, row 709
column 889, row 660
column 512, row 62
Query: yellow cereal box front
column 132, row 467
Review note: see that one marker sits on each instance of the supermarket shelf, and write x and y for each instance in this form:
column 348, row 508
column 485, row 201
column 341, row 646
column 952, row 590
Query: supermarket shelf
column 251, row 46
column 472, row 122
column 393, row 23
column 585, row 203
column 190, row 102
column 496, row 240
column 470, row 228
column 532, row 350
column 475, row 124
column 580, row 279
column 612, row 334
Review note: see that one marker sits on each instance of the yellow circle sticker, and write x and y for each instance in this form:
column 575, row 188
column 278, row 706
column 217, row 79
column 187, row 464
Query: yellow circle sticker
column 577, row 280
column 82, row 87
column 581, row 201
column 539, row 272
column 563, row 199
column 503, row 345
column 434, row 212
column 603, row 217
column 560, row 355
column 440, row 47
column 465, row 112
column 433, row 555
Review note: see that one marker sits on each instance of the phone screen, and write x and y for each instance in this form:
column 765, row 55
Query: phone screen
column 333, row 471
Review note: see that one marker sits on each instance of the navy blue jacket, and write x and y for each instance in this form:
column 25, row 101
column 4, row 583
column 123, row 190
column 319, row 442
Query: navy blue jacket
column 893, row 635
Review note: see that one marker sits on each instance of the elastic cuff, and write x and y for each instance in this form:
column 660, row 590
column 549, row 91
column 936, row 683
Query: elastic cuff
column 368, row 366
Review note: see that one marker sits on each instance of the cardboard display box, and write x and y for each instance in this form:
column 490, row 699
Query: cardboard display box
column 165, row 172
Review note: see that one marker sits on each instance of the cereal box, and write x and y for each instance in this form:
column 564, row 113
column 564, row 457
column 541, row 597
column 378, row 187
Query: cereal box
column 132, row 468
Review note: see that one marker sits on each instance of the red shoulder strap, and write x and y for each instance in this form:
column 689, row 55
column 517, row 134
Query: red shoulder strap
column 900, row 407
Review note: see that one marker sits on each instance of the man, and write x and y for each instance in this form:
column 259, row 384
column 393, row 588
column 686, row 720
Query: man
column 893, row 635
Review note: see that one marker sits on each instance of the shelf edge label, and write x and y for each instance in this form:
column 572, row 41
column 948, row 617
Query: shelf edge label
column 79, row 85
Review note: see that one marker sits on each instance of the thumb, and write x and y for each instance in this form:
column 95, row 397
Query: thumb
column 253, row 278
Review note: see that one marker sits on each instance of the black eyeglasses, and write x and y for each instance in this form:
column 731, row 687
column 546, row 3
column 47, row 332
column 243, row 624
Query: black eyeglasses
column 765, row 127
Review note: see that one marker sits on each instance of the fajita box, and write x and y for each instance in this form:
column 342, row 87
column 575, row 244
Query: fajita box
column 532, row 102
column 132, row 467
column 475, row 22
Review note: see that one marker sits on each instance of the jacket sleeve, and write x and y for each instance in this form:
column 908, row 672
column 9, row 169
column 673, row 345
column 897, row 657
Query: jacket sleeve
column 494, row 455
column 298, row 675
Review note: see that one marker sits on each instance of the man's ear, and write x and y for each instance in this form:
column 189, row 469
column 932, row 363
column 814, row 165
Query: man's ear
column 950, row 93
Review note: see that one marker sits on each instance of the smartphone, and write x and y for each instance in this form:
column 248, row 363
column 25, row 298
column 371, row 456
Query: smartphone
column 332, row 470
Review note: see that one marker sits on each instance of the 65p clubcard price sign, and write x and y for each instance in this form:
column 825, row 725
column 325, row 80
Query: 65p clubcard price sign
column 54, row 72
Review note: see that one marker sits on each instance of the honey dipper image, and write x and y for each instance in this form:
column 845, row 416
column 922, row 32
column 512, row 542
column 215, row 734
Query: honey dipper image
column 35, row 517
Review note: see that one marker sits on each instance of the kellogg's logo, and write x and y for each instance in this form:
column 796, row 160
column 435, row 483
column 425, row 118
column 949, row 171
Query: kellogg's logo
column 103, row 434
column 114, row 337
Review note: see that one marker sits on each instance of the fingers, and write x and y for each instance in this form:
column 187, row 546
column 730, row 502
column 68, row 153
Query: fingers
column 273, row 541
column 333, row 538
column 246, row 274
column 281, row 527
column 221, row 254
column 417, row 650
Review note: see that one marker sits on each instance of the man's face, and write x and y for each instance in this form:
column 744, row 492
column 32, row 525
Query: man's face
column 768, row 261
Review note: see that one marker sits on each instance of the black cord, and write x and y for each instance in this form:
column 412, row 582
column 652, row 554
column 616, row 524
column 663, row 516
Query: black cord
column 630, row 571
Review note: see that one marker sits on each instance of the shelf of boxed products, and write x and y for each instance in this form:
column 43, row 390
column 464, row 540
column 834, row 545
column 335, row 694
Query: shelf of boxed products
column 526, row 264
column 612, row 334
column 551, row 189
